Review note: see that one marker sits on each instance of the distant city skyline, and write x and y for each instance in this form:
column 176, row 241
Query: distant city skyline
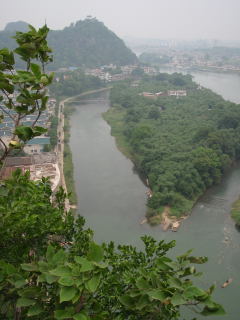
column 152, row 19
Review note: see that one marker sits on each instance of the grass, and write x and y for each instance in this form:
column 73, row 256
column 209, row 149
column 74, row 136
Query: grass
column 235, row 212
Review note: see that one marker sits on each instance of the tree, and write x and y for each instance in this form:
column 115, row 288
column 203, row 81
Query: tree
column 23, row 92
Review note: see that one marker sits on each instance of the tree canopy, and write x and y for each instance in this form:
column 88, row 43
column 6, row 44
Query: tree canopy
column 182, row 145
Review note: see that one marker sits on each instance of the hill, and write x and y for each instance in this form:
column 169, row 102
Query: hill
column 86, row 43
column 16, row 26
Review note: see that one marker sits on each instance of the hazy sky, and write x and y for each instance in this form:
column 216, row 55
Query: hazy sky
column 179, row 19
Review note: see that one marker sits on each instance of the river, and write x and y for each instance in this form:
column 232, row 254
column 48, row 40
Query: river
column 112, row 197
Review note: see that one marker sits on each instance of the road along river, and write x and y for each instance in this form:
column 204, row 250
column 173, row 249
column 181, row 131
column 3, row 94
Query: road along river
column 112, row 197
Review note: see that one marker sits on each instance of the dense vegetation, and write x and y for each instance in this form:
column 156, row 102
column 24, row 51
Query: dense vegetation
column 87, row 43
column 67, row 156
column 181, row 145
column 72, row 83
column 52, row 269
column 235, row 212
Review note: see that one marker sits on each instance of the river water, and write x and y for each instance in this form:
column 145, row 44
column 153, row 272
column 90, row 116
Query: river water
column 112, row 197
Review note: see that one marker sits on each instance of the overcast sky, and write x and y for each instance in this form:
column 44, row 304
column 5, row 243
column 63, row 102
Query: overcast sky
column 178, row 19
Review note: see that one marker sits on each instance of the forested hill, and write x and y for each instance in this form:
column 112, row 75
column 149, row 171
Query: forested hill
column 87, row 43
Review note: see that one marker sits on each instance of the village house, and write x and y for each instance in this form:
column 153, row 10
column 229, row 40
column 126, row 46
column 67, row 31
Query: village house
column 177, row 93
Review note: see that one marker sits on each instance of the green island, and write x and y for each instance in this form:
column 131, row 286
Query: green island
column 180, row 136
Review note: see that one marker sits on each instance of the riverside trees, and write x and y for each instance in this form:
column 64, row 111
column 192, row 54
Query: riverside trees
column 51, row 268
column 181, row 145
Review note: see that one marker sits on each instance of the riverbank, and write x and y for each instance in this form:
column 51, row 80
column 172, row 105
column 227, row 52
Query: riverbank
column 235, row 212
column 114, row 118
column 67, row 158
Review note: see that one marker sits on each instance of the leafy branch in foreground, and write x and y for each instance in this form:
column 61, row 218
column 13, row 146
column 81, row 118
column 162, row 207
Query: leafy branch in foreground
column 52, row 269
column 23, row 92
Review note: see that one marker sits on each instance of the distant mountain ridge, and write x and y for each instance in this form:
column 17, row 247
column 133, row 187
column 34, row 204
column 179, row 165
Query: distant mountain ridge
column 16, row 26
column 86, row 43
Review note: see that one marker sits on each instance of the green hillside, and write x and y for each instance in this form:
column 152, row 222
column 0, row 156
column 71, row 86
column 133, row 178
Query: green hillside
column 86, row 43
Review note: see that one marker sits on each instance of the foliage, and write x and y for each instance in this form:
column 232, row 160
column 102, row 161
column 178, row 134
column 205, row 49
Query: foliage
column 67, row 163
column 235, row 212
column 74, row 83
column 23, row 92
column 181, row 145
column 52, row 269
column 52, row 132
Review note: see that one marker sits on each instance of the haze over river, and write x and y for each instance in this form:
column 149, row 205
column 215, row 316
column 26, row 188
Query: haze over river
column 112, row 197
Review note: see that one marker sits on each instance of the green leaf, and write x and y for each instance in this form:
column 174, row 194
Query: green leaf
column 36, row 70
column 141, row 283
column 175, row 283
column 24, row 302
column 29, row 266
column 63, row 314
column 80, row 316
column 95, row 252
column 93, row 283
column 43, row 266
column 142, row 302
column 85, row 264
column 126, row 301
column 39, row 130
column 30, row 292
column 194, row 292
column 61, row 271
column 66, row 281
column 20, row 283
column 177, row 299
column 50, row 251
column 59, row 257
column 44, row 102
column 157, row 294
column 24, row 133
column 162, row 265
column 67, row 294
column 35, row 310
column 217, row 311
column 50, row 278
